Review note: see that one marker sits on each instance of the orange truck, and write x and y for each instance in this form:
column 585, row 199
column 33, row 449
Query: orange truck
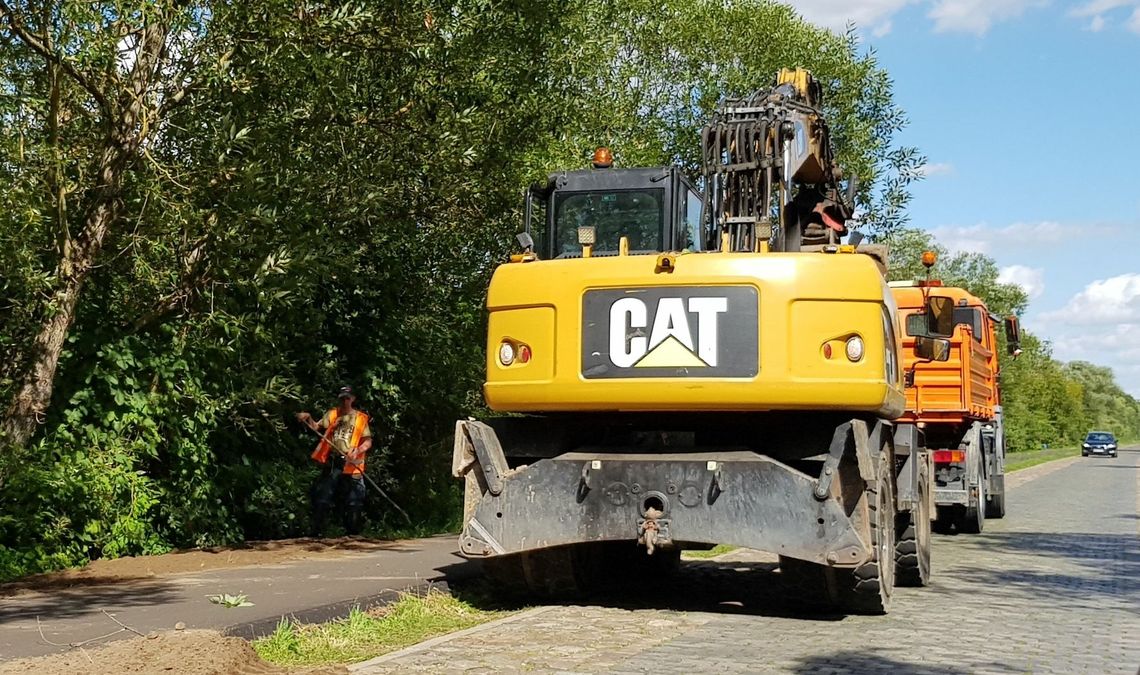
column 956, row 403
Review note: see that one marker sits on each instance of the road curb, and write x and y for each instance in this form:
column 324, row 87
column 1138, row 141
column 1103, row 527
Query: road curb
column 259, row 628
column 440, row 639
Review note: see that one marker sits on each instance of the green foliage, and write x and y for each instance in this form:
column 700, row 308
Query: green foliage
column 1045, row 402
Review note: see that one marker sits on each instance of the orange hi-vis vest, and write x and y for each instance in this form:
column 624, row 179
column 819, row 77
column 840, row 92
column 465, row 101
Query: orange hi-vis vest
column 354, row 461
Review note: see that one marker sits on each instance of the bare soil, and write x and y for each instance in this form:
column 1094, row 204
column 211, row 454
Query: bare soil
column 191, row 652
column 251, row 554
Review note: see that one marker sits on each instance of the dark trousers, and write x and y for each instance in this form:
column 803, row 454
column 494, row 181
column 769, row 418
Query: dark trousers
column 333, row 487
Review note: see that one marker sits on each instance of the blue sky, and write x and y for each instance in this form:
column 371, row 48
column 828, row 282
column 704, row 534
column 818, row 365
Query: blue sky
column 1029, row 113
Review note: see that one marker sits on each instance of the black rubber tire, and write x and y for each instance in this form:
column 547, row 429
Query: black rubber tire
column 574, row 572
column 807, row 583
column 912, row 551
column 944, row 523
column 995, row 505
column 545, row 573
column 867, row 589
column 974, row 519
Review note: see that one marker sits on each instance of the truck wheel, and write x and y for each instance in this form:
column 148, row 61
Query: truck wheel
column 912, row 552
column 974, row 520
column 944, row 523
column 867, row 589
column 995, row 503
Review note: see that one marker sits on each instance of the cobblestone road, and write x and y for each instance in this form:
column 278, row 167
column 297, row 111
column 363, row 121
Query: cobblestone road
column 1053, row 588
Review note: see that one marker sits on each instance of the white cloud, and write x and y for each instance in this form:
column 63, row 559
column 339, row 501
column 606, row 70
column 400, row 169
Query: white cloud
column 936, row 169
column 976, row 16
column 1117, row 347
column 1104, row 302
column 1099, row 11
column 1032, row 279
column 1100, row 324
column 981, row 238
column 874, row 15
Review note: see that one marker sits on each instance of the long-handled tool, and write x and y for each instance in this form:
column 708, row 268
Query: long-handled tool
column 366, row 476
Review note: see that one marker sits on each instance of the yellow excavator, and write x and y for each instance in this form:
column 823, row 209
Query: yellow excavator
column 687, row 367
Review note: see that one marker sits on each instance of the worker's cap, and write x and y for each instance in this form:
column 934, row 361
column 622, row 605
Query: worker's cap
column 345, row 392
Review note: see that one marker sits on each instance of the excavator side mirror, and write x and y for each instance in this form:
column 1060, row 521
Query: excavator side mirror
column 931, row 348
column 1012, row 335
column 939, row 316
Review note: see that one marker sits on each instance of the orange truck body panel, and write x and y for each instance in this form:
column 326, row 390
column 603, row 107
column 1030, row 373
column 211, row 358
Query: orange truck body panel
column 963, row 388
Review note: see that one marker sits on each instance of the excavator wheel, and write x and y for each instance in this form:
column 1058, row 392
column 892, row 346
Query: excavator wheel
column 574, row 572
column 545, row 573
column 867, row 589
column 912, row 551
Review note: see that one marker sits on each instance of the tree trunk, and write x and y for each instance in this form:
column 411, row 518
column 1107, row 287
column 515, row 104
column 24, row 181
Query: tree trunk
column 129, row 120
column 26, row 410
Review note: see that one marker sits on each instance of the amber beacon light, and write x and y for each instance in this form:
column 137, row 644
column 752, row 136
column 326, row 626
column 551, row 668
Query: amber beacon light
column 603, row 158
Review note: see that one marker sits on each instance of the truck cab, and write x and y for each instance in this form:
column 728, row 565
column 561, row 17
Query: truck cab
column 958, row 401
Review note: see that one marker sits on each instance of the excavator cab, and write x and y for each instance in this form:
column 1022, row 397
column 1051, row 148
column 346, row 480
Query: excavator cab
column 654, row 210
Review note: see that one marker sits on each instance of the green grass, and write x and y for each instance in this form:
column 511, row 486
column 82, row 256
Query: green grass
column 719, row 549
column 363, row 635
column 1015, row 461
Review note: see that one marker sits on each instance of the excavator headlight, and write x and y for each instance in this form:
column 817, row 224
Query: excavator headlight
column 854, row 348
column 506, row 353
column 587, row 235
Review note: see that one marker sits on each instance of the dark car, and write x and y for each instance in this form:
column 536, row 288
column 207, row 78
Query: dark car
column 1099, row 443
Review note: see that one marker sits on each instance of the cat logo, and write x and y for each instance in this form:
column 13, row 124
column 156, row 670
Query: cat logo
column 670, row 342
column 670, row 332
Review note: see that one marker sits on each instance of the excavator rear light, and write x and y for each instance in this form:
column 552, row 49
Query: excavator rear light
column 506, row 353
column 949, row 456
column 524, row 354
column 854, row 348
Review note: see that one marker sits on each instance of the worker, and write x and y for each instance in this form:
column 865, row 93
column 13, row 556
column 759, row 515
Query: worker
column 346, row 439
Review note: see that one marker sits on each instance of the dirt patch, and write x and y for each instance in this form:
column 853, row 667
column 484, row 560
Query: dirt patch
column 251, row 554
column 192, row 652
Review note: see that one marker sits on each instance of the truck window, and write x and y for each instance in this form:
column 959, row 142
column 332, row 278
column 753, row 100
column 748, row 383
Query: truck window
column 972, row 318
column 637, row 214
column 916, row 323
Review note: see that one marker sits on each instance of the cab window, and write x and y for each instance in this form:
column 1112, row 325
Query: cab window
column 692, row 234
column 637, row 214
column 916, row 323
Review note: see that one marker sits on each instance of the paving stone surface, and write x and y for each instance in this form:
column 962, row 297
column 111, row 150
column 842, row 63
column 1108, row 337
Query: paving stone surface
column 1052, row 588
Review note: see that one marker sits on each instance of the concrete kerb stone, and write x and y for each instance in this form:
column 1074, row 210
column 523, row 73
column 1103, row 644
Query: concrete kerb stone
column 252, row 630
column 428, row 644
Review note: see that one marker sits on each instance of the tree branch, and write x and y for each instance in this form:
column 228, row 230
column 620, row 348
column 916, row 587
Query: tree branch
column 36, row 44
